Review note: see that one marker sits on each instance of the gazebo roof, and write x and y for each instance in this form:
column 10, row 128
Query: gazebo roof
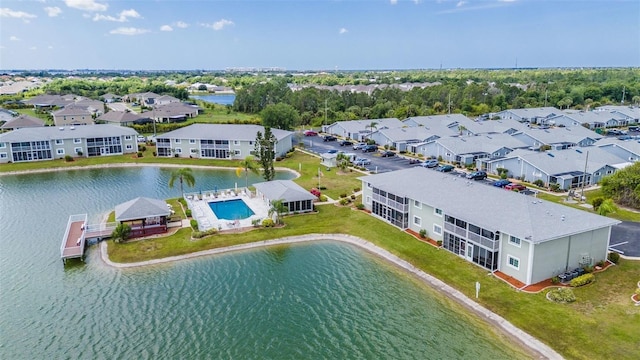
column 141, row 208
column 285, row 190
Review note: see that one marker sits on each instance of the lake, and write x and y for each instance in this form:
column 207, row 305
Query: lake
column 223, row 99
column 321, row 300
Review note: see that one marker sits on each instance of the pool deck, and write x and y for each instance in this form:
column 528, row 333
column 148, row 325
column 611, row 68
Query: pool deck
column 207, row 219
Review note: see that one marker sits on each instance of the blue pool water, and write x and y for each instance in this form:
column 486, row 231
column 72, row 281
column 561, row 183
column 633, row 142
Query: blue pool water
column 235, row 209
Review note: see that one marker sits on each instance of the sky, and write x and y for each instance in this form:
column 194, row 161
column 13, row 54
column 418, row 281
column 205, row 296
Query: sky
column 318, row 34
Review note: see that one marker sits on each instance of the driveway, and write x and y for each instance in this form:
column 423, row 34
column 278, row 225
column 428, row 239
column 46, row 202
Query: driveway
column 625, row 238
column 118, row 106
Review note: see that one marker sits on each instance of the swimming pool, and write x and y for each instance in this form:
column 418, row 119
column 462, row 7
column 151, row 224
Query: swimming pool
column 235, row 209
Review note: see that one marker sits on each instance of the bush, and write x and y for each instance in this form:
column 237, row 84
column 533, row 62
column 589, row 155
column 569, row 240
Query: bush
column 588, row 269
column 345, row 201
column 423, row 233
column 155, row 153
column 79, row 153
column 555, row 280
column 68, row 158
column 182, row 201
column 600, row 263
column 538, row 183
column 194, row 224
column 360, row 206
column 343, row 195
column 353, row 197
column 356, row 189
column 322, row 188
column 439, row 242
column 323, row 198
column 267, row 223
column 554, row 187
column 139, row 153
column 614, row 257
column 187, row 212
column 201, row 234
column 256, row 222
column 562, row 295
column 597, row 202
column 637, row 291
column 582, row 280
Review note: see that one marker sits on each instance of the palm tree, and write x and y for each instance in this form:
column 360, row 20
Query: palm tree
column 342, row 162
column 247, row 165
column 121, row 232
column 607, row 207
column 278, row 208
column 373, row 125
column 184, row 175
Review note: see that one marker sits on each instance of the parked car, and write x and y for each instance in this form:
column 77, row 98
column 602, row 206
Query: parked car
column 310, row 133
column 329, row 138
column 345, row 143
column 515, row 187
column 315, row 192
column 501, row 183
column 616, row 132
column 141, row 139
column 370, row 148
column 332, row 151
column 359, row 146
column 477, row 175
column 445, row 168
column 362, row 162
column 634, row 128
column 432, row 163
column 387, row 153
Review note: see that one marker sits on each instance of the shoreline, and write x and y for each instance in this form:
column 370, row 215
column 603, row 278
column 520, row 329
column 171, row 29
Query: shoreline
column 523, row 339
column 130, row 165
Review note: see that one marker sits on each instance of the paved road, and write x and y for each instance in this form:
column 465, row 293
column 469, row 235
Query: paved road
column 625, row 238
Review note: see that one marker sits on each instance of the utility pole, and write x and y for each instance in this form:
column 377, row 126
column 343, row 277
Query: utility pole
column 624, row 88
column 546, row 93
column 325, row 112
column 449, row 105
column 584, row 176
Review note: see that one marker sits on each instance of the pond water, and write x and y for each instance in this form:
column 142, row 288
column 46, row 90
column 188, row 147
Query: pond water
column 223, row 99
column 321, row 300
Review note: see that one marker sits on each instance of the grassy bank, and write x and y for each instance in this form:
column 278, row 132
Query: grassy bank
column 603, row 309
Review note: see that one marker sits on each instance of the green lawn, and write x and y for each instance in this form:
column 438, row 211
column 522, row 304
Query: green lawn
column 620, row 214
column 603, row 310
column 31, row 112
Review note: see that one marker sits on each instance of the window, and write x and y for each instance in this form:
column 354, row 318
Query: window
column 514, row 262
column 178, row 151
column 59, row 142
column 514, row 241
column 193, row 150
column 77, row 141
column 236, row 152
column 126, row 137
column 60, row 151
column 3, row 155
column 3, row 145
column 417, row 204
column 177, row 141
column 437, row 229
column 597, row 173
column 250, row 142
column 77, row 150
column 437, row 212
column 369, row 185
column 129, row 146
column 609, row 171
column 236, row 142
column 192, row 141
column 368, row 199
column 417, row 220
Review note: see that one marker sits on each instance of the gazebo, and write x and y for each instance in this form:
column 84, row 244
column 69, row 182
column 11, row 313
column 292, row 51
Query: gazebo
column 293, row 196
column 146, row 216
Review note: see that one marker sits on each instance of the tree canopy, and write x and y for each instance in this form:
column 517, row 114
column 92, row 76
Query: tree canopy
column 624, row 186
column 280, row 116
column 183, row 175
column 264, row 150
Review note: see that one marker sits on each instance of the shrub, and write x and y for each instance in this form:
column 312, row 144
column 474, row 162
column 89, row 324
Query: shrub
column 597, row 202
column 538, row 183
column 256, row 222
column 140, row 154
column 322, row 188
column 201, row 234
column 194, row 224
column 423, row 233
column 360, row 206
column 356, row 189
column 439, row 242
column 155, row 153
column 68, row 158
column 582, row 280
column 182, row 201
column 343, row 195
column 600, row 263
column 267, row 223
column 353, row 197
column 562, row 295
column 588, row 269
column 554, row 187
column 614, row 257
column 188, row 212
column 323, row 198
column 555, row 280
column 345, row 201
column 440, row 158
column 637, row 291
column 79, row 153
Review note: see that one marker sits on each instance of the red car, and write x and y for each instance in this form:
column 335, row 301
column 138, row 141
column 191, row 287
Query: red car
column 310, row 133
column 515, row 187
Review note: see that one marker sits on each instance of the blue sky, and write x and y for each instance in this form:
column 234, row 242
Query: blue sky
column 317, row 34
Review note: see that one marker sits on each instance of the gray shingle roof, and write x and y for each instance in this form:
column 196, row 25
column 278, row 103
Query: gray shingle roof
column 354, row 126
column 489, row 207
column 285, row 190
column 23, row 121
column 222, row 132
column 67, row 132
column 121, row 116
column 141, row 208
column 482, row 143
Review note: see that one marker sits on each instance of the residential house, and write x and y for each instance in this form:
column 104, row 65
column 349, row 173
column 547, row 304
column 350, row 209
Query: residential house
column 441, row 125
column 71, row 115
column 558, row 138
column 22, row 121
column 95, row 107
column 144, row 99
column 629, row 113
column 7, row 115
column 123, row 118
column 624, row 149
column 173, row 112
column 402, row 138
column 294, row 197
column 110, row 98
column 359, row 130
column 164, row 100
column 592, row 119
column 566, row 168
column 218, row 141
column 48, row 142
column 466, row 150
column 48, row 101
column 523, row 237
column 539, row 115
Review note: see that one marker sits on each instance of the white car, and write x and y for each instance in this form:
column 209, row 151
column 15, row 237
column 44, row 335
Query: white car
column 141, row 139
column 358, row 146
column 361, row 162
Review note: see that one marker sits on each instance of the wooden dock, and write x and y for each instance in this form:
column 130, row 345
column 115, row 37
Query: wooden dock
column 73, row 242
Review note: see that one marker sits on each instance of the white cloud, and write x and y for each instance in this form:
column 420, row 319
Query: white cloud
column 166, row 28
column 343, row 31
column 128, row 31
column 6, row 12
column 53, row 11
column 87, row 5
column 122, row 17
column 393, row 2
column 182, row 24
column 219, row 25
column 460, row 3
column 14, row 38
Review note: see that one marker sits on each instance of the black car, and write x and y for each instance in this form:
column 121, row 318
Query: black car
column 477, row 175
column 330, row 138
column 370, row 148
column 387, row 153
column 345, row 143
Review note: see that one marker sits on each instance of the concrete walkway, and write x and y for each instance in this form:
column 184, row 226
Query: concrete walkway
column 536, row 347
